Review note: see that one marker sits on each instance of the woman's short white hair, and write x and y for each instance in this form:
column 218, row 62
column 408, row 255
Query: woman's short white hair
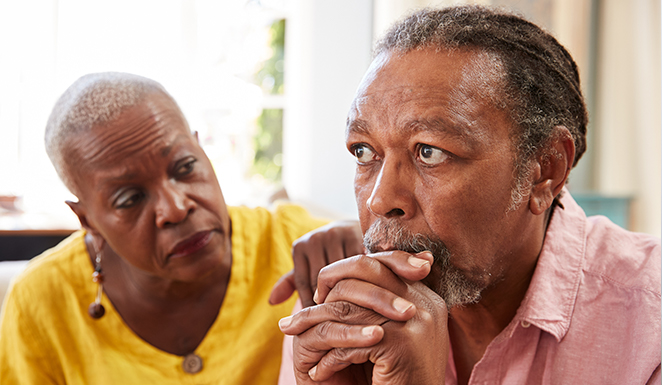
column 92, row 101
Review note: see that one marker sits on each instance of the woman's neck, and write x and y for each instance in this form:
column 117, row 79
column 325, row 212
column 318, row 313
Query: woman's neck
column 173, row 316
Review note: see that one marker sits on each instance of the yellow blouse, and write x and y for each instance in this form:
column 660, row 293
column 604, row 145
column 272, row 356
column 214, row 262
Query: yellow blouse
column 47, row 337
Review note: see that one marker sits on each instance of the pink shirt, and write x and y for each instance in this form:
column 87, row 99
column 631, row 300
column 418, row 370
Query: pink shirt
column 591, row 314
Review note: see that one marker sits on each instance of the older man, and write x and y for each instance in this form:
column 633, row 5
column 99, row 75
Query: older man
column 483, row 268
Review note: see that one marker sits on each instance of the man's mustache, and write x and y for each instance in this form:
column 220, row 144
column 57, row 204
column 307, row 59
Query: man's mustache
column 391, row 234
column 451, row 285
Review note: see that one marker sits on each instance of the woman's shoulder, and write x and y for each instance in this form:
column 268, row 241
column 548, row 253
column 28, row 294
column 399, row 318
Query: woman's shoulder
column 54, row 269
column 285, row 221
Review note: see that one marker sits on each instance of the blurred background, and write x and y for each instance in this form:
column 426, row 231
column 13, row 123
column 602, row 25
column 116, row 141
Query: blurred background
column 268, row 83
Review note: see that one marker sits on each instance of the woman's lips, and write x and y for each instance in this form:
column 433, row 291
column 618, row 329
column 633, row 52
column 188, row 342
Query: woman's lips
column 192, row 244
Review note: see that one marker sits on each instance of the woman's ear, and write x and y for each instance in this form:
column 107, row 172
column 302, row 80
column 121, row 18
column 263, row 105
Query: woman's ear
column 81, row 213
column 553, row 165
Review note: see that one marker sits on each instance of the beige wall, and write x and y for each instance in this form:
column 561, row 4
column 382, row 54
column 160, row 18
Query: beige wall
column 627, row 113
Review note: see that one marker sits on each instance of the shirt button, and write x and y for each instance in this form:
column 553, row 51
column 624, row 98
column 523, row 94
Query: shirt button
column 526, row 324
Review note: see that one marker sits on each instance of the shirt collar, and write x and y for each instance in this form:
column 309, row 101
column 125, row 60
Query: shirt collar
column 550, row 300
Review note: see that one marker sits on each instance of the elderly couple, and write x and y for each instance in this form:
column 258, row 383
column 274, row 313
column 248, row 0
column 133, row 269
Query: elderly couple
column 478, row 266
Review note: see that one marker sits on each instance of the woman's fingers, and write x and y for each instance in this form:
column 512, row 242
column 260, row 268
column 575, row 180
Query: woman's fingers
column 353, row 244
column 283, row 289
column 320, row 247
column 302, row 276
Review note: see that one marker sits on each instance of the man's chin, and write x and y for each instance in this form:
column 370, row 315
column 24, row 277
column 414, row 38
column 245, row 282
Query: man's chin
column 445, row 279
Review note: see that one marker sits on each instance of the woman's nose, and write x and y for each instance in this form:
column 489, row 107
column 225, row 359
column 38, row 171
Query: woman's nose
column 173, row 205
column 392, row 195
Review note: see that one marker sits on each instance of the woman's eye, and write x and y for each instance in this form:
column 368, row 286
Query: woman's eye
column 186, row 168
column 431, row 155
column 128, row 199
column 363, row 154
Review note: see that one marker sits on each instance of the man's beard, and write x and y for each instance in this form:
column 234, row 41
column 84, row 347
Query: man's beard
column 453, row 286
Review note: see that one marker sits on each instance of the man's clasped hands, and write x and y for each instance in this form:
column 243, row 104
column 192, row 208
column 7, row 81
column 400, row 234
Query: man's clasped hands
column 373, row 320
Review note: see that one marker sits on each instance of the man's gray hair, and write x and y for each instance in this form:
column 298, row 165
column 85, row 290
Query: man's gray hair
column 93, row 100
column 541, row 79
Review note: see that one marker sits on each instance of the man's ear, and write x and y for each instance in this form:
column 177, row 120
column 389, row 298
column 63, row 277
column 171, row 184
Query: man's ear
column 551, row 170
column 80, row 212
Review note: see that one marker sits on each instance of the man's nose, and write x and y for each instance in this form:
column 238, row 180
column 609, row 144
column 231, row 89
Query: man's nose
column 173, row 205
column 392, row 194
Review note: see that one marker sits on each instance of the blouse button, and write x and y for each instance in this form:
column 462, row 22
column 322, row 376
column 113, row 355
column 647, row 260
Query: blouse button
column 192, row 363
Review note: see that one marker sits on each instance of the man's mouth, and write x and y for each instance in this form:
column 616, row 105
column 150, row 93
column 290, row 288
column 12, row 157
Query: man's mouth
column 191, row 244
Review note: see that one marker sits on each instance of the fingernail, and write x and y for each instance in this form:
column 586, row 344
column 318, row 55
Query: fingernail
column 429, row 253
column 312, row 372
column 315, row 297
column 402, row 305
column 417, row 262
column 369, row 331
column 285, row 322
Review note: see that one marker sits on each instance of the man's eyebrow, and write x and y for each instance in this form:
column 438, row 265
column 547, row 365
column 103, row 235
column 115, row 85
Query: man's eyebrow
column 439, row 125
column 357, row 126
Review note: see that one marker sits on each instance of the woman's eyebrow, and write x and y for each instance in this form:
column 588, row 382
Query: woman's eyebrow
column 169, row 147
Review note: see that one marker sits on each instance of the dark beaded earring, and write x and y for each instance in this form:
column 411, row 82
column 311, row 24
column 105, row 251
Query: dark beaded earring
column 96, row 309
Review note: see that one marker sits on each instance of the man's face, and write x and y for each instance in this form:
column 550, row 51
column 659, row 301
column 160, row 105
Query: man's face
column 150, row 191
column 435, row 159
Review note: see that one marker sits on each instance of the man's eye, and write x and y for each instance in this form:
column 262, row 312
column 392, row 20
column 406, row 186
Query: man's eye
column 128, row 199
column 431, row 155
column 363, row 154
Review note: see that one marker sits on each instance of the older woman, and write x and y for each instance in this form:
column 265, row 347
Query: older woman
column 165, row 284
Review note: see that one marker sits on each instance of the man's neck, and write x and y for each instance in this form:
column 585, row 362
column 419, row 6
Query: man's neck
column 473, row 327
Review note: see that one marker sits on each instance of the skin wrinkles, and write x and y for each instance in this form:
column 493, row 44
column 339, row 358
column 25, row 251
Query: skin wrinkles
column 117, row 177
column 146, row 189
column 171, row 208
column 139, row 137
column 463, row 200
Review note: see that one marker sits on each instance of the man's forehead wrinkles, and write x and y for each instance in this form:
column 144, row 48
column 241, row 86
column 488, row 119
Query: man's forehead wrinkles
column 408, row 124
column 358, row 126
column 435, row 124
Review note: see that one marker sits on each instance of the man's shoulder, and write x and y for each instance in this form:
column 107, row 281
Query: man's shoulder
column 627, row 260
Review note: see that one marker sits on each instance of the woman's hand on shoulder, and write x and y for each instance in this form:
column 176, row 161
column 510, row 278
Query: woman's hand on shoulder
column 313, row 251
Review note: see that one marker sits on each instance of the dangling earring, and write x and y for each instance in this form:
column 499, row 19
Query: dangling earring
column 96, row 309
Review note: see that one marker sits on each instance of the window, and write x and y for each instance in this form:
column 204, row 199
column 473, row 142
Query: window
column 221, row 60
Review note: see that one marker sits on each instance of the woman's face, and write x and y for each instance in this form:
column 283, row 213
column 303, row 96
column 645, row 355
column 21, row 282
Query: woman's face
column 147, row 188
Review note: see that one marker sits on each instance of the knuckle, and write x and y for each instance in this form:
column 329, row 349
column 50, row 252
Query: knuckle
column 324, row 274
column 298, row 246
column 367, row 262
column 341, row 355
column 334, row 231
column 340, row 289
column 426, row 317
column 342, row 310
column 323, row 329
column 301, row 281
